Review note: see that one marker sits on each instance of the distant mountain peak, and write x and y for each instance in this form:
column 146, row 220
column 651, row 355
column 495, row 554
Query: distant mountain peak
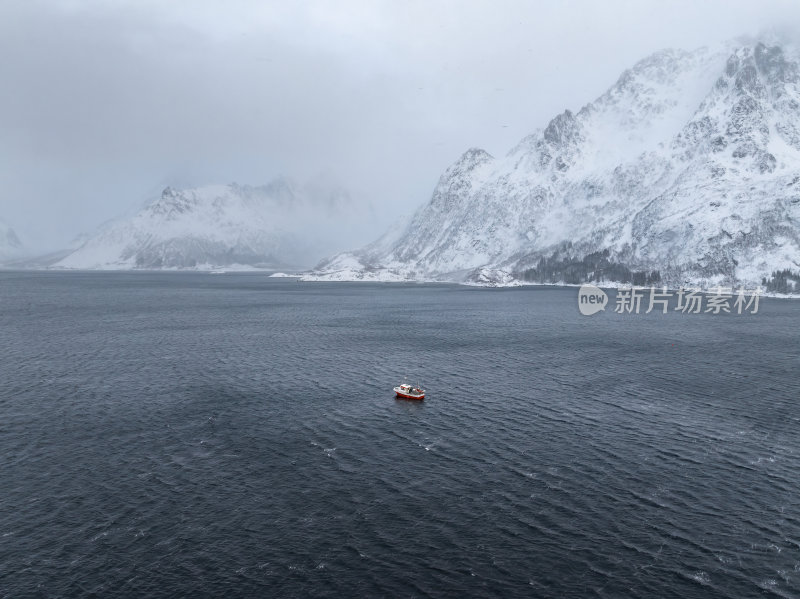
column 10, row 245
column 9, row 239
column 563, row 130
column 472, row 158
column 280, row 225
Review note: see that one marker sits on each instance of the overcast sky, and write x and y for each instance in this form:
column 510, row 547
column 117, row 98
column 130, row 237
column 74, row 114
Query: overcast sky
column 104, row 103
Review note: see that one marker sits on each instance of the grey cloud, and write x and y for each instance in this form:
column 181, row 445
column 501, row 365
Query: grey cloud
column 106, row 102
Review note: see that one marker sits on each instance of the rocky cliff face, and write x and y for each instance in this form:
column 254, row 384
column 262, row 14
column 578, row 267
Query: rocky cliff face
column 689, row 165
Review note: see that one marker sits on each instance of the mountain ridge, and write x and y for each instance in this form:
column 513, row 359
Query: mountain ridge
column 688, row 165
column 282, row 224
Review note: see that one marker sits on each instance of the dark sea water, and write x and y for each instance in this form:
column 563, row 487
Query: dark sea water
column 192, row 435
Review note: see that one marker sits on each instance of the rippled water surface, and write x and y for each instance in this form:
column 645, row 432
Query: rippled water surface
column 195, row 435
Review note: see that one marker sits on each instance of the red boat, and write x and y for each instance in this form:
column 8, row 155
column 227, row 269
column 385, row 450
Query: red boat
column 406, row 391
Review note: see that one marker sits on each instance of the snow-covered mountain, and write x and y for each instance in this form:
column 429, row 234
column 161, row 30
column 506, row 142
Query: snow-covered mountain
column 689, row 165
column 279, row 225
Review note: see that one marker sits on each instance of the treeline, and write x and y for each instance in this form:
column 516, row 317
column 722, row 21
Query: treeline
column 593, row 267
column 782, row 281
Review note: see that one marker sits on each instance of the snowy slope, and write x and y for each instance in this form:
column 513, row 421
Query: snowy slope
column 281, row 224
column 689, row 164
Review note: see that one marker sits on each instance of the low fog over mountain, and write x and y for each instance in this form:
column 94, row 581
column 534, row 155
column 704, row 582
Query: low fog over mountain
column 279, row 225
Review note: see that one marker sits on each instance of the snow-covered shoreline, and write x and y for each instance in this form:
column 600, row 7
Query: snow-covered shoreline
column 516, row 283
column 304, row 277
